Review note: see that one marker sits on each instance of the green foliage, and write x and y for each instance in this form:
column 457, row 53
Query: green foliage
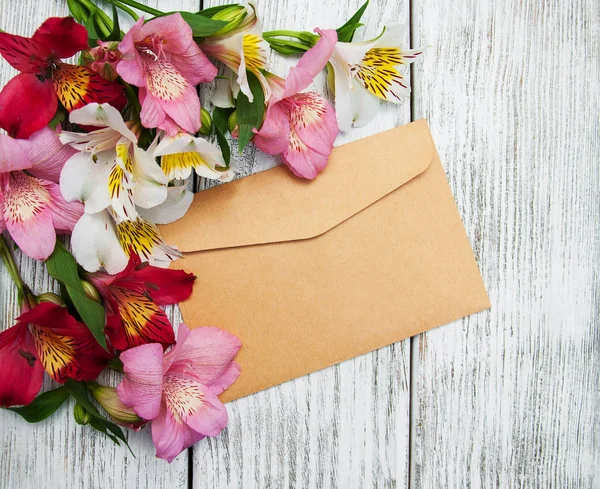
column 220, row 124
column 63, row 267
column 43, row 405
column 201, row 26
column 250, row 114
column 346, row 32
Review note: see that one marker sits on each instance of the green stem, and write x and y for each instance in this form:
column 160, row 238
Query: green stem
column 125, row 9
column 142, row 7
column 294, row 34
column 104, row 21
column 11, row 266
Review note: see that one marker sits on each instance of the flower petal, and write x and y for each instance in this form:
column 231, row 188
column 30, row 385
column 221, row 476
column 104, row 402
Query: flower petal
column 150, row 187
column 208, row 354
column 196, row 404
column 143, row 238
column 47, row 154
column 175, row 32
column 22, row 371
column 364, row 105
column 313, row 119
column 12, row 156
column 86, row 180
column 62, row 36
column 28, row 215
column 77, row 86
column 311, row 63
column 23, row 53
column 171, row 435
column 344, row 89
column 152, row 114
column 142, row 387
column 172, row 209
column 64, row 214
column 102, row 115
column 27, row 104
column 65, row 347
column 165, row 286
column 130, row 68
column 95, row 244
column 194, row 66
column 141, row 320
column 274, row 135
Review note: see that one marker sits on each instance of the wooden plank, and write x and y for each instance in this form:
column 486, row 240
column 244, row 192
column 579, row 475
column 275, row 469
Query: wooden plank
column 346, row 426
column 58, row 453
column 509, row 397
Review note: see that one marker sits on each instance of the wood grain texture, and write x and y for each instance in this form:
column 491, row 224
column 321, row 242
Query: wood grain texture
column 346, row 426
column 58, row 453
column 509, row 397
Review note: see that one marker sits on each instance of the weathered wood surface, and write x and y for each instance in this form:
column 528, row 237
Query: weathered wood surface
column 507, row 398
column 510, row 398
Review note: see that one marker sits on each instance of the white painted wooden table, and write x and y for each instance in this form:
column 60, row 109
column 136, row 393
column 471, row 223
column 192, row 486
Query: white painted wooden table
column 506, row 398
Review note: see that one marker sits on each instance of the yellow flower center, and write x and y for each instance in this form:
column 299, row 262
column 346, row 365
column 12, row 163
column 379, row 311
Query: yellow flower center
column 253, row 53
column 378, row 74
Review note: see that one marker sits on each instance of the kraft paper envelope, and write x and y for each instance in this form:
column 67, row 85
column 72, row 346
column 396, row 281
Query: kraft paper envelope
column 308, row 274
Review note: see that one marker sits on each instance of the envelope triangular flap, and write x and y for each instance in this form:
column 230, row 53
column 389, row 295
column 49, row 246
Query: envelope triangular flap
column 275, row 206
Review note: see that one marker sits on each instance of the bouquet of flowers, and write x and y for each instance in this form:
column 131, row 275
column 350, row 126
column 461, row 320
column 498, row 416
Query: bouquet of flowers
column 103, row 149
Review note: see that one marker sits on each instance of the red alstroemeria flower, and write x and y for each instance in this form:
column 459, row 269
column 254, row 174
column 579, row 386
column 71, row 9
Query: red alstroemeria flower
column 133, row 299
column 46, row 338
column 29, row 101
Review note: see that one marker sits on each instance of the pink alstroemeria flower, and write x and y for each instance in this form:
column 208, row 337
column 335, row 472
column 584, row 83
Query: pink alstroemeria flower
column 301, row 127
column 178, row 391
column 162, row 58
column 32, row 208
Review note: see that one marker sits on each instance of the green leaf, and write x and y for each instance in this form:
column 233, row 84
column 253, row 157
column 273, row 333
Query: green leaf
column 80, row 392
column 345, row 34
column 115, row 35
column 78, row 13
column 63, row 267
column 209, row 12
column 220, row 123
column 93, row 35
column 286, row 47
column 60, row 116
column 201, row 26
column 250, row 114
column 43, row 405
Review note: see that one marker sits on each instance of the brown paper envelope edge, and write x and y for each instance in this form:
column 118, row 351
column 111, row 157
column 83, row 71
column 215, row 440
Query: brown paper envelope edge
column 466, row 273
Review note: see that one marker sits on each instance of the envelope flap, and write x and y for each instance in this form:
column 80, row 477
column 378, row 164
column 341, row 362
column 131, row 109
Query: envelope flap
column 275, row 206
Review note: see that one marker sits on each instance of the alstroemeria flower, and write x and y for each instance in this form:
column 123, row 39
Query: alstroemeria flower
column 179, row 154
column 302, row 127
column 29, row 101
column 162, row 58
column 133, row 298
column 110, row 170
column 241, row 49
column 178, row 390
column 46, row 338
column 367, row 72
column 103, row 59
column 32, row 208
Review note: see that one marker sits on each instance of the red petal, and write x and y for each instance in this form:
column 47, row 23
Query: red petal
column 164, row 285
column 22, row 372
column 27, row 104
column 65, row 347
column 139, row 321
column 63, row 36
column 24, row 54
column 77, row 86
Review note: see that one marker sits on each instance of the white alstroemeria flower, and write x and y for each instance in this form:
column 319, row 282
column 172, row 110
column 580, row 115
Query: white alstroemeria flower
column 241, row 49
column 179, row 154
column 370, row 71
column 110, row 170
column 102, row 240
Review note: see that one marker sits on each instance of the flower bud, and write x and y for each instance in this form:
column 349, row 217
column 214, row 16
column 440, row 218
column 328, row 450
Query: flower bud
column 81, row 415
column 108, row 398
column 233, row 15
column 206, row 128
column 90, row 291
column 232, row 123
column 50, row 297
column 103, row 59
